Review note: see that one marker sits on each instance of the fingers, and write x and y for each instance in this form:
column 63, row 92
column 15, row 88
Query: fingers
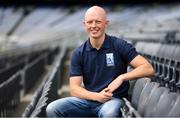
column 106, row 89
column 106, row 92
column 105, row 95
column 105, row 98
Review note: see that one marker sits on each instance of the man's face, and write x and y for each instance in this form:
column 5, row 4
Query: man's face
column 95, row 24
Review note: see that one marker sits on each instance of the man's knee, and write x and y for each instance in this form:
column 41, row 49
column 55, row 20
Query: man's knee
column 50, row 109
column 111, row 108
column 110, row 114
column 53, row 109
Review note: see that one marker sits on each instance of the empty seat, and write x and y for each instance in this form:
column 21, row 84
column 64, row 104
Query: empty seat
column 176, row 54
column 174, row 80
column 139, row 85
column 145, row 96
column 165, row 105
column 140, row 47
column 161, row 51
column 151, row 51
column 153, row 100
column 175, row 111
column 169, row 50
column 10, row 95
column 178, row 79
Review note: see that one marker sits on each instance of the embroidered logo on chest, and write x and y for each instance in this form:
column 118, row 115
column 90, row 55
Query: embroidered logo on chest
column 109, row 59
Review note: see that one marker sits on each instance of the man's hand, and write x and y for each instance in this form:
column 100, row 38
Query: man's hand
column 103, row 96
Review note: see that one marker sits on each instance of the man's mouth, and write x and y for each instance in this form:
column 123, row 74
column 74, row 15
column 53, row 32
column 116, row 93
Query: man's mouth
column 94, row 32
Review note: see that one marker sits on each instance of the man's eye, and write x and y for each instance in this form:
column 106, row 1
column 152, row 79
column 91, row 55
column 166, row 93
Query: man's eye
column 98, row 22
column 89, row 22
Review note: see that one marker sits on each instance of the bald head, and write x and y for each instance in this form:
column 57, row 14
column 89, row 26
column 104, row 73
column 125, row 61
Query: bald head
column 95, row 23
column 96, row 10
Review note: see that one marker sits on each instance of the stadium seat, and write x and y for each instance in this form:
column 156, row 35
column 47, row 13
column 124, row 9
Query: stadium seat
column 169, row 75
column 10, row 95
column 169, row 50
column 145, row 96
column 139, row 85
column 153, row 100
column 176, row 55
column 165, row 104
column 174, row 80
column 178, row 80
column 175, row 111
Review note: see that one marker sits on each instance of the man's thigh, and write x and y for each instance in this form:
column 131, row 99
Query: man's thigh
column 69, row 107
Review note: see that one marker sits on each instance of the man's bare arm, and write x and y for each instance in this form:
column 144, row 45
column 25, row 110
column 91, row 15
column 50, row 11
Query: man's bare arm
column 142, row 69
column 77, row 90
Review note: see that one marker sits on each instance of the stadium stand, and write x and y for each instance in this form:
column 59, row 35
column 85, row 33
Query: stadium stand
column 10, row 94
column 34, row 43
column 47, row 92
column 157, row 98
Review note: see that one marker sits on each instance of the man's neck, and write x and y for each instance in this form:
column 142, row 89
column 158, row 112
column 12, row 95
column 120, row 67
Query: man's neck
column 97, row 43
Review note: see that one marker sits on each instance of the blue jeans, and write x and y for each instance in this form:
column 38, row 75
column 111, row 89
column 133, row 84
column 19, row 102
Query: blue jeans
column 76, row 107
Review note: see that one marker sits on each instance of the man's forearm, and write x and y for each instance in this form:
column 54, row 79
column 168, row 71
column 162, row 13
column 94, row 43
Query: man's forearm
column 145, row 70
column 82, row 93
column 141, row 71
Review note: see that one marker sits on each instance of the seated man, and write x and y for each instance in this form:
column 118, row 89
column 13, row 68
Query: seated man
column 101, row 64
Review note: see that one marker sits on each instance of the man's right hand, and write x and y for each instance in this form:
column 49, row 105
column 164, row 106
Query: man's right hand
column 103, row 96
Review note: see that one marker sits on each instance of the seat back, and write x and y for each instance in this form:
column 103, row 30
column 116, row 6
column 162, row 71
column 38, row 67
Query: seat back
column 165, row 105
column 145, row 95
column 175, row 111
column 139, row 85
column 154, row 99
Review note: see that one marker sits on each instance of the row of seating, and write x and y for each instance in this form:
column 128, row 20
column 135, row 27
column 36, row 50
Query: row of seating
column 37, row 67
column 158, row 49
column 29, row 71
column 14, row 63
column 157, row 96
column 47, row 92
column 173, row 37
column 6, row 73
column 165, row 60
column 149, row 99
column 10, row 95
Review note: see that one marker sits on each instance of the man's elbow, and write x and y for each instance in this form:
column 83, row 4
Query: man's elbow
column 150, row 71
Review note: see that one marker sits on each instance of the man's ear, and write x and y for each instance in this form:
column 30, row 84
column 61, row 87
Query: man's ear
column 107, row 23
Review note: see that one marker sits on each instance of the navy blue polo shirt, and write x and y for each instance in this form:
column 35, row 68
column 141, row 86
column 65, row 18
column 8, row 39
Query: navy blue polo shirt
column 100, row 67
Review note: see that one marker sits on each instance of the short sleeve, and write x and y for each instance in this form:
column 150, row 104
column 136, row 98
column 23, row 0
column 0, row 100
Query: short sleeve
column 128, row 51
column 75, row 64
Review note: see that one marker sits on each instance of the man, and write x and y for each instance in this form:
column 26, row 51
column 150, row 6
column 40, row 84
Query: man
column 101, row 65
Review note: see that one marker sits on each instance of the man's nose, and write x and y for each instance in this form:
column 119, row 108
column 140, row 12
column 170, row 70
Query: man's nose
column 93, row 24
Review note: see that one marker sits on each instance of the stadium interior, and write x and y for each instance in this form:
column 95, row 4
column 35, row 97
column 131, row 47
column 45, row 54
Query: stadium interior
column 37, row 39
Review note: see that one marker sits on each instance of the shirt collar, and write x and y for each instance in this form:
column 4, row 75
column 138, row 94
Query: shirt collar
column 105, row 45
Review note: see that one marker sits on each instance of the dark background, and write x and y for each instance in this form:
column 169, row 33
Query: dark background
column 83, row 2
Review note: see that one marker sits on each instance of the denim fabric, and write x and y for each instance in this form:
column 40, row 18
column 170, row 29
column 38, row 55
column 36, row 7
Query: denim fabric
column 76, row 107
